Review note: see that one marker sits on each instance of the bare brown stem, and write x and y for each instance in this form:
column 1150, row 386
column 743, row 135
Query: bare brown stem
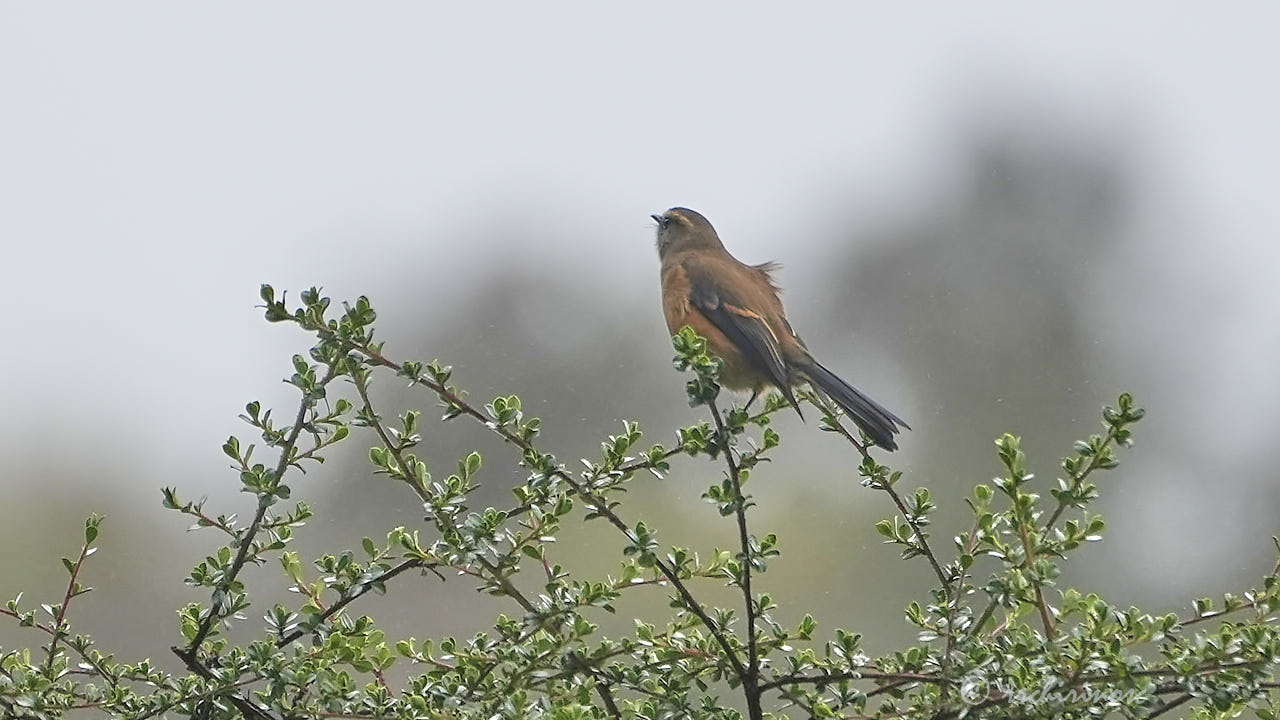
column 750, row 685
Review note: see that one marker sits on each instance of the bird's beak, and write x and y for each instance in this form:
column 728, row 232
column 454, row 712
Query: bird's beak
column 657, row 218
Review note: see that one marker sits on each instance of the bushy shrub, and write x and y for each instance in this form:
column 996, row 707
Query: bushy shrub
column 997, row 636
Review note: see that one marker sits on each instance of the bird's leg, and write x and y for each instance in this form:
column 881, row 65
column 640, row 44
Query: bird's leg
column 754, row 394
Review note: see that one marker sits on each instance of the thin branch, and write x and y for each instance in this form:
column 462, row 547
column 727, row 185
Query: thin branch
column 606, row 697
column 348, row 599
column 396, row 450
column 361, row 382
column 206, row 695
column 243, row 704
column 920, row 536
column 925, row 549
column 953, row 593
column 1167, row 706
column 888, row 687
column 602, row 508
column 101, row 671
column 1057, row 513
column 1028, row 556
column 66, row 603
column 648, row 463
column 953, row 607
column 597, row 505
column 851, row 675
column 188, row 654
column 750, row 685
column 286, row 456
column 932, row 678
column 595, row 663
column 1253, row 604
column 1078, row 482
column 791, row 694
column 209, row 522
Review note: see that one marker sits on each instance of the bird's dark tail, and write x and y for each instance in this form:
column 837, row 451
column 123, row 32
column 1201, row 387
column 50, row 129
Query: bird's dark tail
column 878, row 423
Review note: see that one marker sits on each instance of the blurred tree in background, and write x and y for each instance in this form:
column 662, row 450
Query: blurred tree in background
column 1009, row 288
column 996, row 633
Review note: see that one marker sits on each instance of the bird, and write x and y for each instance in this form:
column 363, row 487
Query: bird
column 737, row 308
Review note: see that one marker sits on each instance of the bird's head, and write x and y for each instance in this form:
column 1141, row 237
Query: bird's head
column 681, row 229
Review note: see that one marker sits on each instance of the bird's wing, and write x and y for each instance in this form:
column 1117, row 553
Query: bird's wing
column 713, row 294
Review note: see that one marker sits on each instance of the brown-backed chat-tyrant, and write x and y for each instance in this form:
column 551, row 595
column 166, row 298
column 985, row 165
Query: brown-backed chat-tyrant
column 736, row 308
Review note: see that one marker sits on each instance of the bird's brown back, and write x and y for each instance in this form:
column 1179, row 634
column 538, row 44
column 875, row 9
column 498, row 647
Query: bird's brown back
column 745, row 290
